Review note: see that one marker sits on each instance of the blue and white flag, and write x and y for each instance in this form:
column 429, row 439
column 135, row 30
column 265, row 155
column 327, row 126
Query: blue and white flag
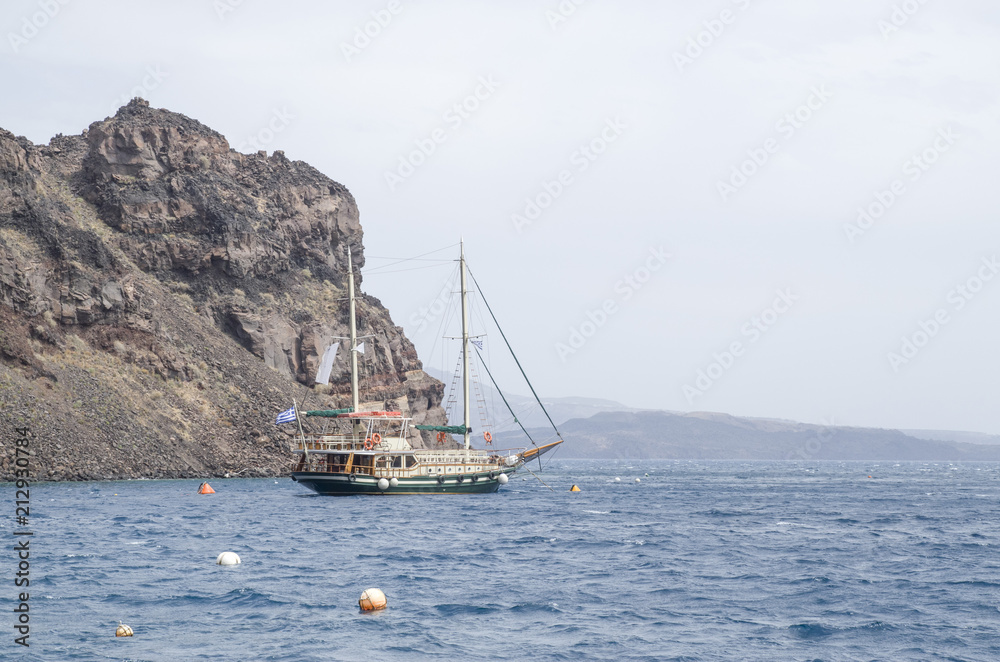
column 286, row 416
column 477, row 343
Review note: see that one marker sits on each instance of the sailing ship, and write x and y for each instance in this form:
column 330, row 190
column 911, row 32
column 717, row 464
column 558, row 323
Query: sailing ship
column 371, row 453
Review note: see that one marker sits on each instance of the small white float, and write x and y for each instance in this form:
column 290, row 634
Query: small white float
column 228, row 558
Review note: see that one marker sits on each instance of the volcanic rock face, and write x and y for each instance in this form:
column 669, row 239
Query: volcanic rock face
column 163, row 296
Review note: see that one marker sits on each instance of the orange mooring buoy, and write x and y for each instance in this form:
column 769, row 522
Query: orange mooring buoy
column 205, row 489
column 574, row 489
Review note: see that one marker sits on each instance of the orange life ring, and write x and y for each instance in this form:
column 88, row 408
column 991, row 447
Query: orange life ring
column 376, row 439
column 368, row 444
column 488, row 437
column 441, row 437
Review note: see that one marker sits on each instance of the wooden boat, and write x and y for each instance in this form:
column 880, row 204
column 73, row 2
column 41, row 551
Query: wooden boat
column 370, row 452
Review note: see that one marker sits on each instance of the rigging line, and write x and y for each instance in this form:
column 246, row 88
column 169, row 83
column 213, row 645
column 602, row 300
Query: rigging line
column 552, row 457
column 505, row 401
column 533, row 473
column 428, row 319
column 376, row 270
column 504, row 336
column 492, row 405
column 445, row 318
column 407, row 259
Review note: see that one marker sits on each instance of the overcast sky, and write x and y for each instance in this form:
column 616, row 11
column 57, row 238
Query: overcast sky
column 698, row 170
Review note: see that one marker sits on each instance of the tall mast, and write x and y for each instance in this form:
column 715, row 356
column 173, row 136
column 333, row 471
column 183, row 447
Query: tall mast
column 465, row 345
column 354, row 333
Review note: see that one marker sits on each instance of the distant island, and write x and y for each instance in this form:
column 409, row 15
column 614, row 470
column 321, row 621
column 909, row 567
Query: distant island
column 597, row 428
column 709, row 436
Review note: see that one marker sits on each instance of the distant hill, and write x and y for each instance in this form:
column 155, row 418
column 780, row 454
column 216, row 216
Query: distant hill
column 699, row 435
column 596, row 428
column 528, row 411
column 953, row 435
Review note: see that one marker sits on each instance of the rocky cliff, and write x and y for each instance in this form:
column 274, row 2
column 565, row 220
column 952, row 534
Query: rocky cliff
column 163, row 296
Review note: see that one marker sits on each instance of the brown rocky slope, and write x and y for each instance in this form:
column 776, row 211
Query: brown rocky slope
column 162, row 297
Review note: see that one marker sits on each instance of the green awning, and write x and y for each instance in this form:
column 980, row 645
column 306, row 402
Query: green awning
column 329, row 413
column 450, row 429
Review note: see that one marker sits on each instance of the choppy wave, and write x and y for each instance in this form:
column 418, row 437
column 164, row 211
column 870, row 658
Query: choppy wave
column 700, row 561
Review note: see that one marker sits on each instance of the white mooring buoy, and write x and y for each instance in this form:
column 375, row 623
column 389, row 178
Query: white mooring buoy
column 228, row 558
column 393, row 482
column 372, row 599
column 502, row 479
column 123, row 630
column 383, row 484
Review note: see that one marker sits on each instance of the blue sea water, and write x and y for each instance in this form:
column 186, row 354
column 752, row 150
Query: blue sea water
column 698, row 561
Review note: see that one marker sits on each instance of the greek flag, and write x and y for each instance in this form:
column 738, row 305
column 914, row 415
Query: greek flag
column 286, row 416
column 477, row 343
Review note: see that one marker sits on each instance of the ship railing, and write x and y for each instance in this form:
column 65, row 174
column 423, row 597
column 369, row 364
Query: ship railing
column 329, row 442
column 379, row 472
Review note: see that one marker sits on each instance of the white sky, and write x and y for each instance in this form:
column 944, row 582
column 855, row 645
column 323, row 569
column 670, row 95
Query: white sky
column 884, row 99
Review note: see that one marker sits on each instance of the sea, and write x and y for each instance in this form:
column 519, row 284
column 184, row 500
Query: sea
column 650, row 560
